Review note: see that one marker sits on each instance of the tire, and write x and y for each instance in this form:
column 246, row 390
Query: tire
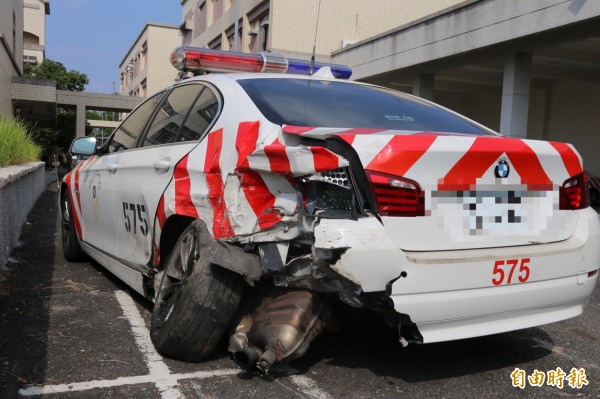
column 70, row 242
column 195, row 304
column 594, row 200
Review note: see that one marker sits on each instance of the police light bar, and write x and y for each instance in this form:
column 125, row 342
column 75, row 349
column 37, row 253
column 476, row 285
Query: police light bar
column 200, row 59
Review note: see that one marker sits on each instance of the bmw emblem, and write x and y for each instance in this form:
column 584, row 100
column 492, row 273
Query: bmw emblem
column 502, row 169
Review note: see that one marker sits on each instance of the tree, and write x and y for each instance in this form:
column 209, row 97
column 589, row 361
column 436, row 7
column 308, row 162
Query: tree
column 65, row 80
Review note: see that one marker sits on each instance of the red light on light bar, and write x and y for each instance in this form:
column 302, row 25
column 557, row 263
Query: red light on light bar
column 201, row 59
column 205, row 59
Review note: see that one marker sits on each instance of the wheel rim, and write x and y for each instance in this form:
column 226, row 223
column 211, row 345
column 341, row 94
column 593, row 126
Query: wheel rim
column 176, row 276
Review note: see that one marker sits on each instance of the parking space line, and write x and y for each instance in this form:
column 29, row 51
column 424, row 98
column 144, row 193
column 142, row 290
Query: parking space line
column 307, row 385
column 154, row 361
column 159, row 373
column 164, row 380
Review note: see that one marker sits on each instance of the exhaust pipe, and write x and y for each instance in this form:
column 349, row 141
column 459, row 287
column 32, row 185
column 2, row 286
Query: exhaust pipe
column 277, row 324
column 247, row 358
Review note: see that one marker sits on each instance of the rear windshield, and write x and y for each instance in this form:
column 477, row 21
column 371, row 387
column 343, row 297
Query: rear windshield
column 302, row 102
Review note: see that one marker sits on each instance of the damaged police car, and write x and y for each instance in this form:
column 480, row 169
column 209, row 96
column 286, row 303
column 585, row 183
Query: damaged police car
column 246, row 203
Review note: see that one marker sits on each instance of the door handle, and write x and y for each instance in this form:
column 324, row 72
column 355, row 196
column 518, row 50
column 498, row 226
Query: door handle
column 112, row 168
column 162, row 166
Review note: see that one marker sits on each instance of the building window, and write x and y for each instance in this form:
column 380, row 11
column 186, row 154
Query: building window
column 215, row 44
column 263, row 33
column 231, row 36
column 187, row 28
column 32, row 59
column 200, row 19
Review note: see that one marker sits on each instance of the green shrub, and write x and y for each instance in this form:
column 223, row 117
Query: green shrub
column 16, row 145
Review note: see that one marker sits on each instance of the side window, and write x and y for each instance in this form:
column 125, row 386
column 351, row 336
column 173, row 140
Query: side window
column 127, row 134
column 204, row 111
column 171, row 114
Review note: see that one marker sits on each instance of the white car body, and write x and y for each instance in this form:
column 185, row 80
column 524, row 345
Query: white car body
column 442, row 269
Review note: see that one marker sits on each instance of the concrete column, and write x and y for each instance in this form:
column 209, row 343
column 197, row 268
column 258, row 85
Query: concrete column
column 515, row 95
column 80, row 121
column 423, row 85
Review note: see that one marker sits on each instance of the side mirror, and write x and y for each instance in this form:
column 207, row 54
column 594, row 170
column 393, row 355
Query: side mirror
column 83, row 146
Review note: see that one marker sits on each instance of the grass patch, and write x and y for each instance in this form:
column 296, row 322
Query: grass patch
column 16, row 145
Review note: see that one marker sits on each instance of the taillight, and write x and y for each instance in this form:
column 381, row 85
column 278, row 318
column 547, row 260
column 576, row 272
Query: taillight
column 397, row 196
column 574, row 192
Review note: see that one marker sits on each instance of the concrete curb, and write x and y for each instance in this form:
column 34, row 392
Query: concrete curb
column 20, row 188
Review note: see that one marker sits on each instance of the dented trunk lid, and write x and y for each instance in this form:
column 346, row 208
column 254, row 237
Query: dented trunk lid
column 478, row 191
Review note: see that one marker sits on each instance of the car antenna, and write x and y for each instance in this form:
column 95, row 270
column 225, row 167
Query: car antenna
column 314, row 50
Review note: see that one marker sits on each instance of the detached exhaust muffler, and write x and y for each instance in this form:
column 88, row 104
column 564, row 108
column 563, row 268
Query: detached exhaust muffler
column 278, row 324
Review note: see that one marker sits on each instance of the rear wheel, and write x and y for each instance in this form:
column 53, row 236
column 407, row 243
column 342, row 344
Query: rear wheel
column 594, row 197
column 196, row 302
column 70, row 242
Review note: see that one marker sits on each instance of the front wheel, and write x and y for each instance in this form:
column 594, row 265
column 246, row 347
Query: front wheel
column 70, row 242
column 196, row 302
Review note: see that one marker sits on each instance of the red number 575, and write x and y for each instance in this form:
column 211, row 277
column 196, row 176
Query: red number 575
column 502, row 267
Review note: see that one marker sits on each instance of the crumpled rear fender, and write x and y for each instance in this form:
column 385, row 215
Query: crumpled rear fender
column 241, row 183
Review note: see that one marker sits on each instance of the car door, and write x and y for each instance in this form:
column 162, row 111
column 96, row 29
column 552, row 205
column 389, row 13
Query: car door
column 100, row 178
column 178, row 124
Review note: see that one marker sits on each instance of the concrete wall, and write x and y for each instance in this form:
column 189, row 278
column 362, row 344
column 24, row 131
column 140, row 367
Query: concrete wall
column 475, row 26
column 20, row 187
column 294, row 23
column 573, row 116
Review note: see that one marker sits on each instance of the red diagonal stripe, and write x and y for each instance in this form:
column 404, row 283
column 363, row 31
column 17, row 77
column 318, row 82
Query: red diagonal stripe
column 569, row 158
column 221, row 226
column 213, row 151
column 261, row 200
column 360, row 130
column 484, row 152
column 324, row 159
column 160, row 212
column 297, row 129
column 278, row 158
column 77, row 194
column 73, row 211
column 400, row 154
column 183, row 187
column 245, row 141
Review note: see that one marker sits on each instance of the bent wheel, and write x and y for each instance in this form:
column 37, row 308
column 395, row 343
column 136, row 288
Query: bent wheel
column 196, row 302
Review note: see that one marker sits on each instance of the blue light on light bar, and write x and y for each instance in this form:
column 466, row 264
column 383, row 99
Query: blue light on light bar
column 302, row 67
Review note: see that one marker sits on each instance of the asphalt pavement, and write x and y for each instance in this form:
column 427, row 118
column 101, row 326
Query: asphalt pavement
column 72, row 330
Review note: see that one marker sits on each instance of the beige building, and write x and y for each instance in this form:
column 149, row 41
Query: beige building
column 146, row 68
column 11, row 50
column 34, row 30
column 289, row 26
